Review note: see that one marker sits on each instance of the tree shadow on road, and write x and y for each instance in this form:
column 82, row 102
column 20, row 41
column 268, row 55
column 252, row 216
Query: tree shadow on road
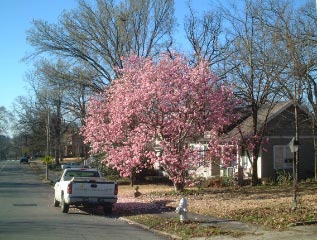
column 130, row 208
column 127, row 208
column 135, row 208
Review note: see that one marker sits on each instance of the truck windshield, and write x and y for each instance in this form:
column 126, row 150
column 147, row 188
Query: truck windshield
column 77, row 173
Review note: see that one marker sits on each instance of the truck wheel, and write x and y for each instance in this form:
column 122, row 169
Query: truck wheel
column 107, row 209
column 56, row 203
column 64, row 206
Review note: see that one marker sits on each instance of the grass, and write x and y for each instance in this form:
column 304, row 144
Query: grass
column 185, row 230
column 268, row 206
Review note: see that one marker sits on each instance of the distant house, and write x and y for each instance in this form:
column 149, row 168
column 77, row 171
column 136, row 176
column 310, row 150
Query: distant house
column 275, row 153
column 74, row 146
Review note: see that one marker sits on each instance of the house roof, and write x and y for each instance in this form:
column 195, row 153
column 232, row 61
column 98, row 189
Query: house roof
column 265, row 114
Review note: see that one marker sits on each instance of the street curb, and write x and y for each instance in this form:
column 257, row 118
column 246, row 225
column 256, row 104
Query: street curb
column 170, row 236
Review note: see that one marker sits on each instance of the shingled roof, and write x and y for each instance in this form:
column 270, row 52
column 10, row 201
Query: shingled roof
column 265, row 114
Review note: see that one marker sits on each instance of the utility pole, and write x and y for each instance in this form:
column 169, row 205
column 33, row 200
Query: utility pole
column 295, row 152
column 47, row 141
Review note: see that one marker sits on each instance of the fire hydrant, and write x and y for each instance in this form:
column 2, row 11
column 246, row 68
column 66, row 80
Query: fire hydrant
column 182, row 210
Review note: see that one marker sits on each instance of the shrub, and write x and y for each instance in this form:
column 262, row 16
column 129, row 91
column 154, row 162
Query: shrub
column 267, row 181
column 157, row 179
column 218, row 182
column 283, row 177
column 123, row 181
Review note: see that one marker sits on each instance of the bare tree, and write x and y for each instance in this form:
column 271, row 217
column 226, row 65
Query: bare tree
column 102, row 33
column 70, row 96
column 203, row 33
column 207, row 38
column 307, row 25
column 295, row 31
column 30, row 126
column 73, row 81
column 254, row 66
column 5, row 119
column 50, row 90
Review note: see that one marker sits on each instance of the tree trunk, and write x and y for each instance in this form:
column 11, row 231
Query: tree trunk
column 254, row 180
column 48, row 133
column 296, row 137
column 315, row 148
column 257, row 146
column 255, row 156
column 179, row 187
column 315, row 151
column 315, row 155
column 58, row 135
column 132, row 179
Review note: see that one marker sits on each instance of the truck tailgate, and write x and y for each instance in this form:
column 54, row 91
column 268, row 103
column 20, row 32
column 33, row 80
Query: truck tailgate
column 93, row 188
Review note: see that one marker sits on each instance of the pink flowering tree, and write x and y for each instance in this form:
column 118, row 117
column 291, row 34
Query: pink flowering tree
column 153, row 111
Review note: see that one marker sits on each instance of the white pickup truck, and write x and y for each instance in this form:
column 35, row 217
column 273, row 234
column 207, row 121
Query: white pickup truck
column 84, row 187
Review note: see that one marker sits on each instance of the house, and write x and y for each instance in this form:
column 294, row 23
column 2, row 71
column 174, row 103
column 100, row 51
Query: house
column 74, row 145
column 275, row 154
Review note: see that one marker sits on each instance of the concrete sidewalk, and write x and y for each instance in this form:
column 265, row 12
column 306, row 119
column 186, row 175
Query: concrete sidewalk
column 308, row 232
column 294, row 233
column 305, row 232
column 252, row 232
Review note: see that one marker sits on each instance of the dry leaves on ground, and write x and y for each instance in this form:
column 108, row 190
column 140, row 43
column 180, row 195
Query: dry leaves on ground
column 266, row 205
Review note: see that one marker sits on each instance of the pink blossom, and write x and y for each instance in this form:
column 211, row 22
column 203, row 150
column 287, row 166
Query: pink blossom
column 163, row 103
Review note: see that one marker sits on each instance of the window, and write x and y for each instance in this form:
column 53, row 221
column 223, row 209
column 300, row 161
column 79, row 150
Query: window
column 283, row 158
column 228, row 172
column 78, row 173
column 201, row 151
column 245, row 159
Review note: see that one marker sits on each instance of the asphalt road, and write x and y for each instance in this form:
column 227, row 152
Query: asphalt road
column 27, row 212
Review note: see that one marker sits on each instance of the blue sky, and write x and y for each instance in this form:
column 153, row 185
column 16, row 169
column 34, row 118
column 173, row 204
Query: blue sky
column 15, row 19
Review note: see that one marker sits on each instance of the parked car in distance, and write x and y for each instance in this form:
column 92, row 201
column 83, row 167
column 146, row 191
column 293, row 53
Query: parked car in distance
column 24, row 160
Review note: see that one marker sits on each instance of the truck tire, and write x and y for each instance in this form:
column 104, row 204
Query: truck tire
column 107, row 209
column 64, row 206
column 56, row 203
